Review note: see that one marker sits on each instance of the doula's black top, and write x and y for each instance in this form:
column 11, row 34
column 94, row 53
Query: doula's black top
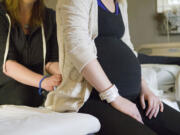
column 117, row 59
column 28, row 49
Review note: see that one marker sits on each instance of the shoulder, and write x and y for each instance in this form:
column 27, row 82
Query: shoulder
column 49, row 11
column 49, row 22
column 49, row 17
column 2, row 8
column 50, row 14
column 2, row 12
column 75, row 3
column 123, row 3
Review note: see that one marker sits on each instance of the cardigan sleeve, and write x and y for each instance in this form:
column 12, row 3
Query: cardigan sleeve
column 78, row 43
column 126, row 38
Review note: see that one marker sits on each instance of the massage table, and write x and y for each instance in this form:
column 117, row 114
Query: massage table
column 22, row 120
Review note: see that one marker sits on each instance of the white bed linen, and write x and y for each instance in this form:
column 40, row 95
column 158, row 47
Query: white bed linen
column 160, row 79
column 21, row 120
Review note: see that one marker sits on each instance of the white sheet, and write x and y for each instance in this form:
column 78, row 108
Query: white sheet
column 16, row 120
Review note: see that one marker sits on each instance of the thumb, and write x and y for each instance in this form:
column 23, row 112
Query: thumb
column 143, row 105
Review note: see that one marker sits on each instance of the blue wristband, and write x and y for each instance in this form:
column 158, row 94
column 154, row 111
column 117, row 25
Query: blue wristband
column 40, row 89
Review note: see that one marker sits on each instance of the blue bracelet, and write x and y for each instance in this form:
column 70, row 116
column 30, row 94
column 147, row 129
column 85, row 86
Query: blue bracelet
column 40, row 89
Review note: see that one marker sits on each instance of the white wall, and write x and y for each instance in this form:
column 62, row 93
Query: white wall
column 143, row 27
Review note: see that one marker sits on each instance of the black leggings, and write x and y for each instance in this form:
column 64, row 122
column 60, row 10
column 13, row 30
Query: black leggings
column 16, row 93
column 114, row 122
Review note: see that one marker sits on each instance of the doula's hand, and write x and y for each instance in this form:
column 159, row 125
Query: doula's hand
column 127, row 107
column 50, row 82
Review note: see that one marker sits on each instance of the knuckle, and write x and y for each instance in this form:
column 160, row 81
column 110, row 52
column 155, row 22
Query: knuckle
column 137, row 115
column 160, row 102
column 150, row 106
column 134, row 115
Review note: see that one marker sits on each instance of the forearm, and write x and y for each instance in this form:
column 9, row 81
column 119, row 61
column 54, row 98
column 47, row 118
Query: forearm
column 95, row 75
column 22, row 74
column 53, row 68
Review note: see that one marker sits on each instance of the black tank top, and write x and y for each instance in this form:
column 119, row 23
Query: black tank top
column 117, row 59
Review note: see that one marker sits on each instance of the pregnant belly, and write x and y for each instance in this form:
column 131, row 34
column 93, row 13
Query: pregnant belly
column 120, row 64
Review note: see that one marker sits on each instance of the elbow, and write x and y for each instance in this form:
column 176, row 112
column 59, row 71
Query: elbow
column 87, row 63
column 81, row 56
column 47, row 66
column 52, row 68
column 4, row 71
column 80, row 61
column 7, row 66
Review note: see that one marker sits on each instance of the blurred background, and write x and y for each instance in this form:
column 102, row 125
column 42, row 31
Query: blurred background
column 143, row 22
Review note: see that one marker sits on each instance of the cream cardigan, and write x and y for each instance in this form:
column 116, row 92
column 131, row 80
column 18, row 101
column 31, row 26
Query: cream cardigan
column 77, row 24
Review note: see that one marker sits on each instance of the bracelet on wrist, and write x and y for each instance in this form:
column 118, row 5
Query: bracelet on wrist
column 40, row 85
column 110, row 94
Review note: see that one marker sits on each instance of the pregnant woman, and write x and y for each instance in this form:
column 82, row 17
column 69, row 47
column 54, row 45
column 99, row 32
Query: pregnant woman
column 96, row 50
column 28, row 47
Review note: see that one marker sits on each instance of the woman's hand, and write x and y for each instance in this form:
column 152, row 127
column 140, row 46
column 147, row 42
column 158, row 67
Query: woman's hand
column 50, row 82
column 127, row 107
column 154, row 103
